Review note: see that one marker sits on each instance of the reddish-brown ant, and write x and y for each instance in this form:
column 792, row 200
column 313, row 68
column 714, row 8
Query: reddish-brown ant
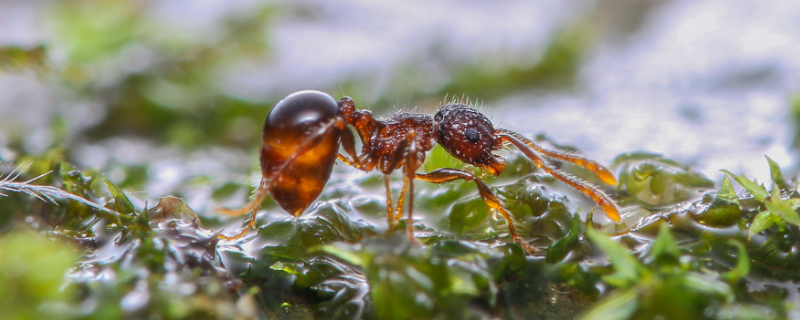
column 303, row 132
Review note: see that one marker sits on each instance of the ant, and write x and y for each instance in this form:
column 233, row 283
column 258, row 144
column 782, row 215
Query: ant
column 303, row 133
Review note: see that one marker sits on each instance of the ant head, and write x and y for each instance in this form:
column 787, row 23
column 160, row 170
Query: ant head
column 469, row 136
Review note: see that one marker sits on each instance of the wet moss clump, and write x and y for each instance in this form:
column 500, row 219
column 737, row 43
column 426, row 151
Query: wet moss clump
column 679, row 253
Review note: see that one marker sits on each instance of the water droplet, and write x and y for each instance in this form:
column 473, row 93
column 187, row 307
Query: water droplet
column 286, row 307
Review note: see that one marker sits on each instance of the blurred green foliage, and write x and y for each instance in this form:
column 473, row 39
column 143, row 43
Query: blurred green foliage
column 17, row 58
column 158, row 81
column 667, row 289
column 32, row 272
column 557, row 68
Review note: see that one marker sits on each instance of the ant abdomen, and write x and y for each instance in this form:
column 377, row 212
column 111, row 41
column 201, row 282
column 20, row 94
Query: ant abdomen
column 300, row 145
column 469, row 136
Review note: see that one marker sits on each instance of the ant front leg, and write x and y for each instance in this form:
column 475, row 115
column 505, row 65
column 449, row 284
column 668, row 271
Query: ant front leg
column 447, row 175
column 598, row 196
column 604, row 174
column 349, row 145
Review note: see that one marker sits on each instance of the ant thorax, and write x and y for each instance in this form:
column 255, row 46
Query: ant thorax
column 394, row 138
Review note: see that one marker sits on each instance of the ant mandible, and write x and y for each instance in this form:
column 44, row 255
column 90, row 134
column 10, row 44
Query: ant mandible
column 303, row 132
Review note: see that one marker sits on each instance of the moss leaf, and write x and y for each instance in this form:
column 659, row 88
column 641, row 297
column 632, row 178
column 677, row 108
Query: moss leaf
column 665, row 250
column 776, row 175
column 122, row 204
column 725, row 209
column 559, row 250
column 346, row 253
column 693, row 179
column 171, row 208
column 703, row 285
column 659, row 181
column 628, row 268
column 758, row 191
column 742, row 265
column 761, row 222
column 618, row 305
column 634, row 156
column 782, row 208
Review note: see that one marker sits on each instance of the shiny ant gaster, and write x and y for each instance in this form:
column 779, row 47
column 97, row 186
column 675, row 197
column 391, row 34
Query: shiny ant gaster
column 303, row 132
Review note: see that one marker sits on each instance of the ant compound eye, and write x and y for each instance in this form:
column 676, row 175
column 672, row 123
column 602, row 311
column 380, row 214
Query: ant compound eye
column 472, row 135
column 467, row 135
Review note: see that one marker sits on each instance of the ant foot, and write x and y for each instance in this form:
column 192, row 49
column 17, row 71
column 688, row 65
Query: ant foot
column 244, row 231
column 527, row 247
column 413, row 240
column 393, row 223
column 234, row 237
column 227, row 238
column 229, row 212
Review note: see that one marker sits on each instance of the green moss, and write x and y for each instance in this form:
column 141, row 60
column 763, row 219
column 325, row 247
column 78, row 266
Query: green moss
column 32, row 270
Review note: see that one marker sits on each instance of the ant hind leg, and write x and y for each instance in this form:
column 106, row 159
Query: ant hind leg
column 251, row 207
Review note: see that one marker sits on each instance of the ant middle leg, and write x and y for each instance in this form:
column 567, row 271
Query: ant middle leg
column 447, row 175
column 389, row 209
column 406, row 153
column 409, row 174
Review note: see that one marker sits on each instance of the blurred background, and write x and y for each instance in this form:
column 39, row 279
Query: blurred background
column 168, row 96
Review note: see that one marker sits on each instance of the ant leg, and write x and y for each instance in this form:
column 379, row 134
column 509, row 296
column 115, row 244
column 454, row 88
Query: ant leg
column 447, row 175
column 604, row 174
column 406, row 153
column 349, row 145
column 361, row 162
column 598, row 196
column 389, row 209
column 398, row 212
column 410, row 170
column 252, row 207
column 408, row 150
